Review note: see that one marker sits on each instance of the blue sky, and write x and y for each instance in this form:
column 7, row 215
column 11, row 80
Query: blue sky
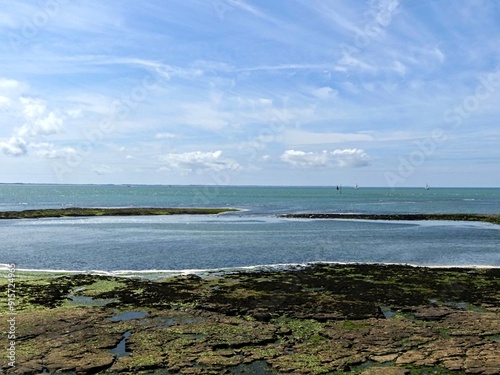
column 305, row 92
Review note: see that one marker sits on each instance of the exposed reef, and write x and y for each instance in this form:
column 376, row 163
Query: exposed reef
column 489, row 218
column 320, row 319
column 129, row 211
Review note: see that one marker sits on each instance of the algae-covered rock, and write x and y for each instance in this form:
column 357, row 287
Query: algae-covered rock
column 322, row 319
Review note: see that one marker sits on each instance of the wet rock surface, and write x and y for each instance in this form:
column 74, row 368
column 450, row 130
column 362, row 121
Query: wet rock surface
column 322, row 319
column 488, row 218
column 125, row 211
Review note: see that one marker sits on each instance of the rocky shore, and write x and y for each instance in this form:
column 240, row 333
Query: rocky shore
column 128, row 211
column 143, row 211
column 488, row 218
column 320, row 319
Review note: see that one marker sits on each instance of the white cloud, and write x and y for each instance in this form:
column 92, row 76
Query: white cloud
column 324, row 92
column 48, row 150
column 305, row 159
column 9, row 84
column 74, row 113
column 105, row 169
column 399, row 68
column 378, row 54
column 265, row 102
column 4, row 101
column 248, row 8
column 438, row 54
column 340, row 158
column 10, row 90
column 38, row 121
column 33, row 108
column 15, row 146
column 198, row 160
column 349, row 61
column 350, row 157
column 165, row 136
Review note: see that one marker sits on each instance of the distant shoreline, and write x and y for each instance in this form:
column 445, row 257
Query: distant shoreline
column 129, row 211
column 489, row 218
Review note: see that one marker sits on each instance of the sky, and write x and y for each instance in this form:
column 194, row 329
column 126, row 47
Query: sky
column 389, row 93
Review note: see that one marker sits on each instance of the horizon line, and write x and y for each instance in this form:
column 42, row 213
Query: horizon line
column 248, row 185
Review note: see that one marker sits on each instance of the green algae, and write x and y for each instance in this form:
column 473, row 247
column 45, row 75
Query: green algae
column 128, row 211
column 434, row 371
column 487, row 218
column 300, row 329
column 211, row 325
column 352, row 325
column 101, row 286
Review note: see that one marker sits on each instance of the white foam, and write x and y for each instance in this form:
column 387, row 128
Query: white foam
column 460, row 223
column 154, row 273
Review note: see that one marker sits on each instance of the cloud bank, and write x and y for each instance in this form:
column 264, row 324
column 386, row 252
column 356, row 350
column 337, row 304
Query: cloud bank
column 196, row 161
column 352, row 158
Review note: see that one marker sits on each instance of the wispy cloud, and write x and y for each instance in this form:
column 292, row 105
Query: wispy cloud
column 297, row 137
column 127, row 88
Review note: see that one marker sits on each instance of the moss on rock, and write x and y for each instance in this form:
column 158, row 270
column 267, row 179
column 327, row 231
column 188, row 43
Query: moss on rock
column 322, row 319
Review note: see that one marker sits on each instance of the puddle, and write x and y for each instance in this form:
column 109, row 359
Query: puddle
column 464, row 306
column 86, row 300
column 457, row 305
column 121, row 349
column 493, row 337
column 129, row 315
column 387, row 311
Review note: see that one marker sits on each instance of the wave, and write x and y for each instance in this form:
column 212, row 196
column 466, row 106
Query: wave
column 423, row 223
column 211, row 271
column 157, row 274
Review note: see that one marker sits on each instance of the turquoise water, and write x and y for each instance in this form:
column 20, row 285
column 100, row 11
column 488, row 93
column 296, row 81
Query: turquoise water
column 252, row 237
column 262, row 200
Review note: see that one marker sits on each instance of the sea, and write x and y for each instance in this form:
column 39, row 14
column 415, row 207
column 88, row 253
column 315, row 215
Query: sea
column 254, row 237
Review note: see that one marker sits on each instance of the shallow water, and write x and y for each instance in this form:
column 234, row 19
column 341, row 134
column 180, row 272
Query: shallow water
column 253, row 237
column 180, row 243
column 121, row 349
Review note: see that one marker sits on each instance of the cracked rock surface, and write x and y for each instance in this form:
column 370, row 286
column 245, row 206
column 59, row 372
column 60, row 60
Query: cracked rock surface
column 321, row 319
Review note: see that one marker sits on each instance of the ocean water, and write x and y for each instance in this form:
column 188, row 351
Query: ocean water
column 252, row 237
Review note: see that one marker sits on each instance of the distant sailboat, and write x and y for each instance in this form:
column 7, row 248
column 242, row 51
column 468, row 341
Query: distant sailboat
column 427, row 187
column 356, row 186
